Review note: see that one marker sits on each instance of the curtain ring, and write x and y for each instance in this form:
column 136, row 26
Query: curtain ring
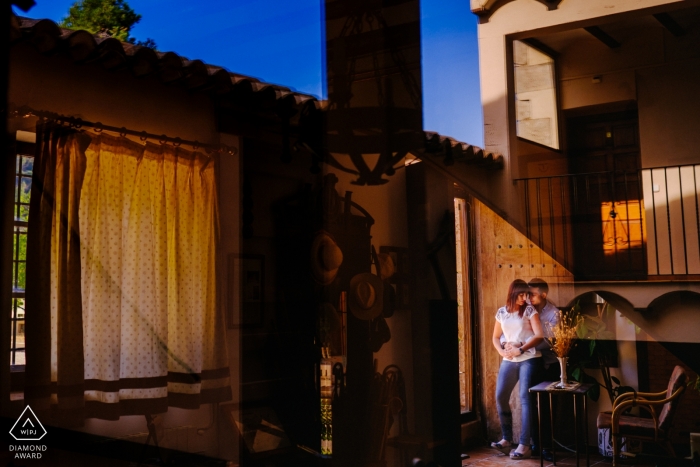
column 122, row 132
column 98, row 127
column 195, row 145
column 78, row 123
column 163, row 139
column 143, row 136
column 177, row 142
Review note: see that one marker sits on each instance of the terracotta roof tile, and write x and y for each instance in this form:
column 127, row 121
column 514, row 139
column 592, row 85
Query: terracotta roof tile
column 243, row 90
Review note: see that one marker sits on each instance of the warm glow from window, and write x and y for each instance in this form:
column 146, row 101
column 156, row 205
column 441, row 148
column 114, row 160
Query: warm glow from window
column 623, row 225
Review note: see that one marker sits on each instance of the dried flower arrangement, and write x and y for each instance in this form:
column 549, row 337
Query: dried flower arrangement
column 564, row 333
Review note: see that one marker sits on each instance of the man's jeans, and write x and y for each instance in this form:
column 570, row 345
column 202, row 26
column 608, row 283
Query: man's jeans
column 508, row 375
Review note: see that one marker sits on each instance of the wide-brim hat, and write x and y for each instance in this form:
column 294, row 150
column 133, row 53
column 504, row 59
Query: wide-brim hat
column 366, row 295
column 326, row 258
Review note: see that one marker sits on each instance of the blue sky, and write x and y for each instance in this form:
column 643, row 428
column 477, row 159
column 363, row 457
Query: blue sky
column 279, row 41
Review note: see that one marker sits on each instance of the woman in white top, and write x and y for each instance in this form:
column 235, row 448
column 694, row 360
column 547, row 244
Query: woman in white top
column 520, row 325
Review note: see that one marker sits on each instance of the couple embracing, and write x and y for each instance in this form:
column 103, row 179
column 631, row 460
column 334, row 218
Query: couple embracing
column 518, row 336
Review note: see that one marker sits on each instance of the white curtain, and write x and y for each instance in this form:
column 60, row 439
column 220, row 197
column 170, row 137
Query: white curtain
column 153, row 335
column 54, row 331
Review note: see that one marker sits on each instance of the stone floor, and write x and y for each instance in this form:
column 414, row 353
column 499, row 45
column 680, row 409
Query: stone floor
column 487, row 457
column 478, row 457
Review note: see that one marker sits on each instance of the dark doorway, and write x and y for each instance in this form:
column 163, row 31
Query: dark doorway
column 608, row 211
column 604, row 143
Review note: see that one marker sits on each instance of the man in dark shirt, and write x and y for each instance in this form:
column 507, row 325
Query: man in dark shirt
column 549, row 317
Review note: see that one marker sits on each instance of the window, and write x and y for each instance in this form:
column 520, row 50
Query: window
column 23, row 185
column 623, row 225
column 535, row 96
column 463, row 306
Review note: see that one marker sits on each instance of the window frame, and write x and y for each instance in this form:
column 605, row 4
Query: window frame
column 22, row 150
column 512, row 94
column 469, row 318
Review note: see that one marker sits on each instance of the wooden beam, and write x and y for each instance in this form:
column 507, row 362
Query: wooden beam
column 670, row 24
column 542, row 47
column 603, row 37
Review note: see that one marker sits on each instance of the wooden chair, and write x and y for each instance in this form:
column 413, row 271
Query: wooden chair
column 655, row 429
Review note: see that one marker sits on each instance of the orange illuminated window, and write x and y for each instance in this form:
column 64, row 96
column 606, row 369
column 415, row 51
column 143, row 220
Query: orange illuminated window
column 623, row 225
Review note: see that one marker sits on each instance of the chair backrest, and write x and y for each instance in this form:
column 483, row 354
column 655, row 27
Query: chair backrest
column 678, row 380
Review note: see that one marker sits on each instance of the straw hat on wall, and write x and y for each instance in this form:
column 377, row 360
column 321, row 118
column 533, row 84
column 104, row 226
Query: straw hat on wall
column 366, row 296
column 326, row 258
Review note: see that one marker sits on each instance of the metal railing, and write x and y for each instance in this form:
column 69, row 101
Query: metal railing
column 617, row 225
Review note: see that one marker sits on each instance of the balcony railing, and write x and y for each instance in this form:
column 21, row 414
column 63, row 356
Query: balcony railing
column 617, row 225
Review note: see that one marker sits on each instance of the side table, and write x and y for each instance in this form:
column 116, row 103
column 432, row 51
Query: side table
column 579, row 391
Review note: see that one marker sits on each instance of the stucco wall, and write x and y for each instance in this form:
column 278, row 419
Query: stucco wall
column 530, row 18
column 54, row 83
column 669, row 100
column 651, row 67
column 229, row 242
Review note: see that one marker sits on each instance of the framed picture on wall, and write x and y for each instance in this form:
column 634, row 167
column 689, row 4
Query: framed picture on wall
column 246, row 290
column 400, row 280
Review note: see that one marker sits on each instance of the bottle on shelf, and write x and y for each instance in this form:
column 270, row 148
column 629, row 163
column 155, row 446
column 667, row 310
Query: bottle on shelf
column 329, row 438
column 326, row 395
column 324, row 439
column 326, row 365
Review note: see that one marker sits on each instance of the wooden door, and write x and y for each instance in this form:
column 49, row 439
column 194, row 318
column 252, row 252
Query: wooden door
column 607, row 208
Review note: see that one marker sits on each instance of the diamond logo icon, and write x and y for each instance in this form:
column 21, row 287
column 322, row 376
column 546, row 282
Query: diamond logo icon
column 28, row 427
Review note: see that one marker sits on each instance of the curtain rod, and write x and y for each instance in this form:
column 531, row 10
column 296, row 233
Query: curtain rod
column 98, row 127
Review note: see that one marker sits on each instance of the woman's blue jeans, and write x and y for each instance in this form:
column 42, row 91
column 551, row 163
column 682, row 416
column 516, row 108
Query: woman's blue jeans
column 508, row 375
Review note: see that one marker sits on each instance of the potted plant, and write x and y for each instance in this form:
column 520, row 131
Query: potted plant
column 563, row 338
